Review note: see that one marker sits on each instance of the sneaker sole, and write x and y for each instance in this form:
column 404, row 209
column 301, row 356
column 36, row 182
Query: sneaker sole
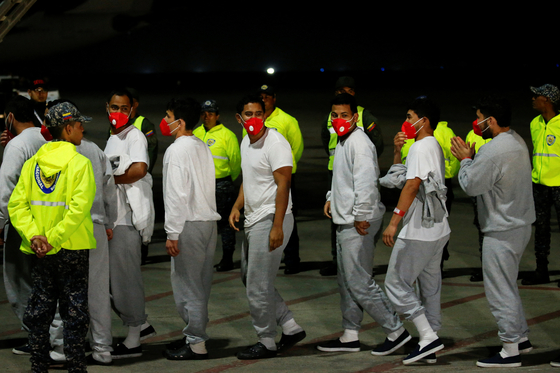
column 338, row 349
column 555, row 364
column 20, row 353
column 393, row 349
column 494, row 365
column 118, row 357
column 423, row 355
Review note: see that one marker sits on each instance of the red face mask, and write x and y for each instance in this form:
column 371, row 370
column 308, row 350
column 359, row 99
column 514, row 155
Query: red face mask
column 409, row 129
column 46, row 133
column 476, row 127
column 341, row 126
column 253, row 126
column 118, row 119
column 165, row 129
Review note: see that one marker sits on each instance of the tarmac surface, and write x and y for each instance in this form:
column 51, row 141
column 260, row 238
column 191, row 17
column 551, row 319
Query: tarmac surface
column 469, row 331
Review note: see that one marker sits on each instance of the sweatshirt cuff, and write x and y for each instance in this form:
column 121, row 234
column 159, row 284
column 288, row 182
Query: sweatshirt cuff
column 173, row 236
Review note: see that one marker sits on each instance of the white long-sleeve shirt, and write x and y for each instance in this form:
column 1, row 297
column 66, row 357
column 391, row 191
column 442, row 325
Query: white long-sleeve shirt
column 17, row 151
column 189, row 185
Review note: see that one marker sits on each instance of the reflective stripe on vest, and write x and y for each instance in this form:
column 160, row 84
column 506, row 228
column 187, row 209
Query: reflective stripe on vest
column 50, row 204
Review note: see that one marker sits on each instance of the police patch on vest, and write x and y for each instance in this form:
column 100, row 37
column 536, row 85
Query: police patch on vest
column 210, row 142
column 550, row 139
column 46, row 184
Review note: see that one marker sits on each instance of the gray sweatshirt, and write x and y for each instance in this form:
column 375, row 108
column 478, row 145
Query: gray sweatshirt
column 354, row 193
column 500, row 178
column 17, row 151
column 104, row 208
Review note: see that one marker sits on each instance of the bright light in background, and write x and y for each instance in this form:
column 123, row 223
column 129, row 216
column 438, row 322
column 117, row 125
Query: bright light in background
column 270, row 70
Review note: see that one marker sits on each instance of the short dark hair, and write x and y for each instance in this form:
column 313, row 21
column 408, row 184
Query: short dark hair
column 21, row 107
column 248, row 99
column 346, row 99
column 427, row 108
column 187, row 109
column 121, row 92
column 497, row 107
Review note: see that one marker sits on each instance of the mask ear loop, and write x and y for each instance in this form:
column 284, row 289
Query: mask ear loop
column 484, row 120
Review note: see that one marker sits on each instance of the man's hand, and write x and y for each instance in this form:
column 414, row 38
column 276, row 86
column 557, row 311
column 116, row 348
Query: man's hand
column 172, row 247
column 109, row 233
column 40, row 246
column 389, row 235
column 276, row 237
column 234, row 218
column 461, row 150
column 361, row 227
column 398, row 141
column 4, row 138
column 327, row 209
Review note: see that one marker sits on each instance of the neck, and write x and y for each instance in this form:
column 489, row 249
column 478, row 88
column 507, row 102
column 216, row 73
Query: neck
column 20, row 127
column 210, row 126
column 254, row 138
column 548, row 114
column 424, row 132
column 115, row 131
column 269, row 111
column 499, row 130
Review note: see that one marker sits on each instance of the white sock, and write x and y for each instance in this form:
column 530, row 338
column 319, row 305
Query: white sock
column 523, row 339
column 396, row 334
column 291, row 327
column 349, row 336
column 427, row 334
column 133, row 338
column 145, row 325
column 509, row 349
column 198, row 348
column 268, row 343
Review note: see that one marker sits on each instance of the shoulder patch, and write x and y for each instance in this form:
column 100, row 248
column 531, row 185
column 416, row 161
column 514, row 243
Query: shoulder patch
column 46, row 184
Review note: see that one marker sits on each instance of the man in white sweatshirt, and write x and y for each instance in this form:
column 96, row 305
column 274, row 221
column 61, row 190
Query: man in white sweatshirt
column 190, row 223
column 355, row 205
column 500, row 178
column 266, row 163
column 417, row 251
column 17, row 266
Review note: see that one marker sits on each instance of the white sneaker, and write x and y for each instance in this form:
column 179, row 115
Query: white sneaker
column 102, row 357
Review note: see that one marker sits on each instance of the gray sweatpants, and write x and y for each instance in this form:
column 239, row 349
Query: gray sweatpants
column 99, row 299
column 501, row 254
column 413, row 260
column 17, row 272
column 127, row 285
column 191, row 276
column 259, row 267
column 358, row 290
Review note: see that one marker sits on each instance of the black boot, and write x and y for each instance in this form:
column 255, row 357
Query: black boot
column 540, row 276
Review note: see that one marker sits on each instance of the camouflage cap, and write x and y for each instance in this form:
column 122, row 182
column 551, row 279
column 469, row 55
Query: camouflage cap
column 210, row 106
column 549, row 91
column 64, row 113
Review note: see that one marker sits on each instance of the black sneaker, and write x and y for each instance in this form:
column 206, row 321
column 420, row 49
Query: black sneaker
column 22, row 350
column 421, row 353
column 184, row 353
column 525, row 347
column 256, row 351
column 147, row 333
column 175, row 345
column 224, row 265
column 289, row 341
column 497, row 361
column 389, row 347
column 329, row 270
column 123, row 352
column 555, row 362
column 337, row 346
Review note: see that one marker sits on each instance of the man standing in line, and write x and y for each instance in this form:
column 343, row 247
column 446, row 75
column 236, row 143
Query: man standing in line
column 266, row 162
column 288, row 127
column 50, row 209
column 366, row 122
column 417, row 252
column 545, row 132
column 190, row 224
column 357, row 211
column 224, row 147
column 18, row 115
column 499, row 178
column 127, row 150
column 38, row 92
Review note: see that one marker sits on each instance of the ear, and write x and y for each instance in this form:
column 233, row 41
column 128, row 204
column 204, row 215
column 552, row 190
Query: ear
column 239, row 119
